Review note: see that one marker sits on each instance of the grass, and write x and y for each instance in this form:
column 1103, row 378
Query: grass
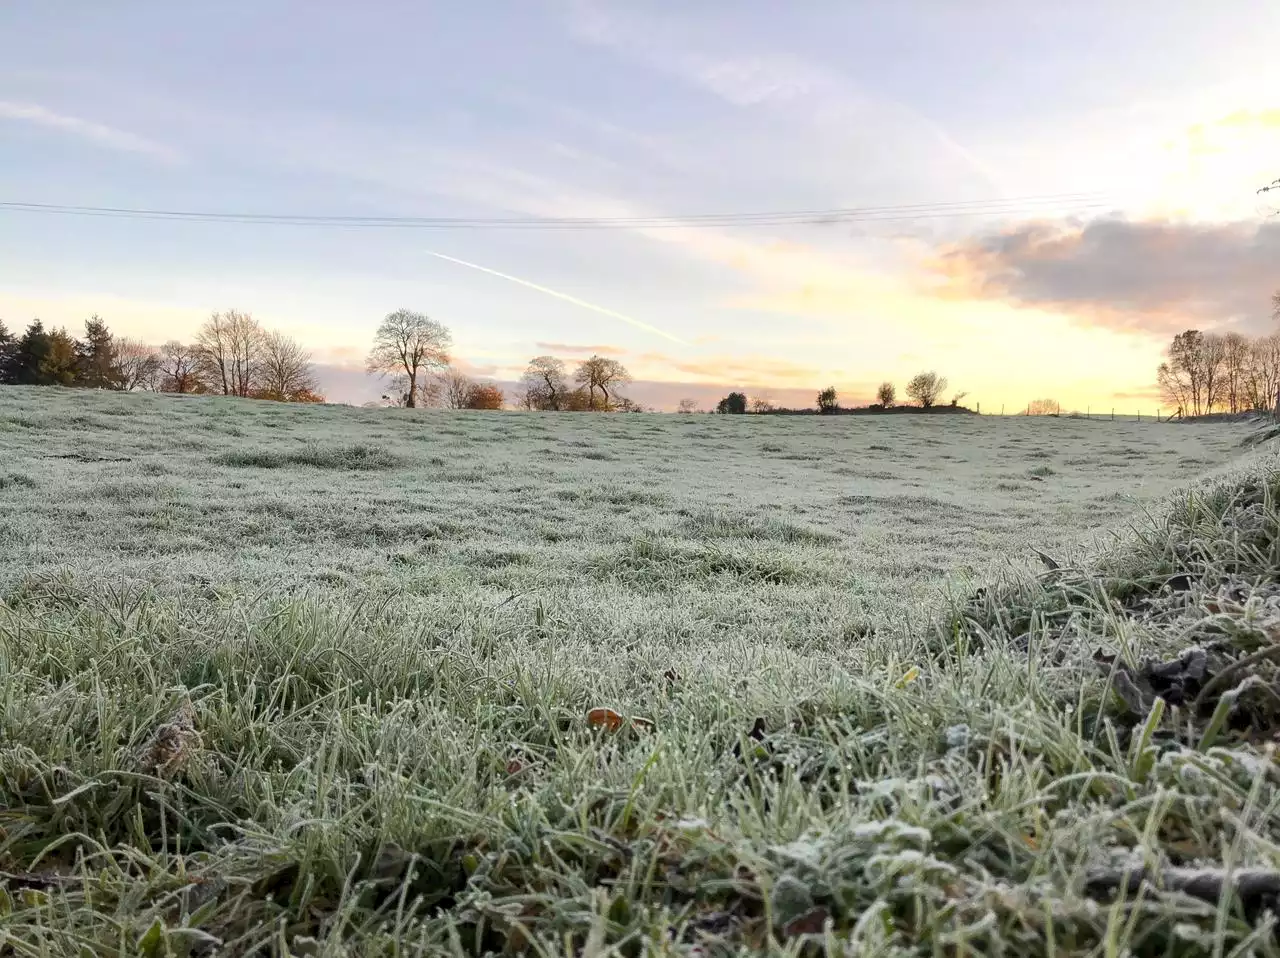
column 318, row 709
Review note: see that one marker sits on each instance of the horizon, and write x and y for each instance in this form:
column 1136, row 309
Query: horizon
column 1059, row 192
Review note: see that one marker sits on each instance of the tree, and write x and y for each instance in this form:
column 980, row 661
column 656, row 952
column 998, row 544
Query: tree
column 1235, row 364
column 955, row 400
column 545, row 383
column 409, row 344
column 734, row 403
column 60, row 363
column 97, row 356
column 1043, row 407
column 687, row 406
column 455, row 389
column 284, row 371
column 606, row 375
column 28, row 353
column 1192, row 376
column 8, row 350
column 229, row 347
column 178, row 368
column 1262, row 376
column 828, row 401
column 762, row 402
column 484, row 396
column 926, row 389
column 886, row 395
column 136, row 366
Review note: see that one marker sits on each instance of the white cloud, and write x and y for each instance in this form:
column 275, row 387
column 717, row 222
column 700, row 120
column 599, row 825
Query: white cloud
column 98, row 133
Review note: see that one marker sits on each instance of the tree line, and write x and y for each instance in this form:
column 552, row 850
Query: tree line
column 413, row 353
column 1220, row 372
column 232, row 354
column 925, row 390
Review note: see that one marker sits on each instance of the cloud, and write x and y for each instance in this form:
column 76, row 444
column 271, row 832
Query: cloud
column 582, row 350
column 740, row 369
column 1136, row 276
column 98, row 133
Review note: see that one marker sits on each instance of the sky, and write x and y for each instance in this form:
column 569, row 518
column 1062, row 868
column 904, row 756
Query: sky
column 1061, row 187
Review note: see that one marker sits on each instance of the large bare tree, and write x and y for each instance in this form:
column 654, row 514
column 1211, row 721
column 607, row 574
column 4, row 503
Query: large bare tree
column 136, row 364
column 606, row 375
column 407, row 346
column 285, row 372
column 179, row 368
column 229, row 347
column 926, row 389
column 545, row 383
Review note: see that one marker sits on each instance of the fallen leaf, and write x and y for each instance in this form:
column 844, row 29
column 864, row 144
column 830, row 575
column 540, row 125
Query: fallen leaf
column 911, row 675
column 642, row 724
column 605, row 718
column 811, row 922
column 514, row 767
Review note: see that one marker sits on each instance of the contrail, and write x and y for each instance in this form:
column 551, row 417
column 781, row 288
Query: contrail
column 559, row 295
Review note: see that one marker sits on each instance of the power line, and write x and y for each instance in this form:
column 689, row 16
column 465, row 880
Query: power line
column 995, row 207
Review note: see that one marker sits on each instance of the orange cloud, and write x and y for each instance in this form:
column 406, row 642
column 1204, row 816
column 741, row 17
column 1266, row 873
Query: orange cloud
column 583, row 350
column 752, row 369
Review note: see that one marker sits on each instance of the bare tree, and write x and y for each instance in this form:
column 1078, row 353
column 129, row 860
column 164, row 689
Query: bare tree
column 1192, row 376
column 545, row 383
column 408, row 344
column 1236, row 350
column 135, row 364
column 1263, row 374
column 285, row 372
column 606, row 375
column 886, row 395
column 762, row 402
column 926, row 389
column 179, row 368
column 1043, row 407
column 229, row 347
column 1213, row 368
column 455, row 389
column 687, row 406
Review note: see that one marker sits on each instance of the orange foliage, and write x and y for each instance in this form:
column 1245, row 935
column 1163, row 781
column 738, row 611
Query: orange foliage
column 484, row 397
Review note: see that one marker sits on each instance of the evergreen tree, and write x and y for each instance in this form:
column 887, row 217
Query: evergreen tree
column 61, row 363
column 96, row 355
column 8, row 350
column 30, row 352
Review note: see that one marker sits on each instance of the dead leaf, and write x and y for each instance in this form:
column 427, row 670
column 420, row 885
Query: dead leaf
column 514, row 767
column 812, row 922
column 172, row 744
column 605, row 718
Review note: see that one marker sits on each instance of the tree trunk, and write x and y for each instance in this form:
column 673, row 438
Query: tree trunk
column 411, row 400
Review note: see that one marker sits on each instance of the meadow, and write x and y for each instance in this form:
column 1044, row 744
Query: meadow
column 320, row 680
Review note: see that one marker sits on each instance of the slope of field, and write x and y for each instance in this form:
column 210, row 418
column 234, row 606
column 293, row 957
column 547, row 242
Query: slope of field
column 297, row 679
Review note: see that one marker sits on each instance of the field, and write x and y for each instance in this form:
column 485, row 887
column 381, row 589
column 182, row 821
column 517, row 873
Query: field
column 300, row 680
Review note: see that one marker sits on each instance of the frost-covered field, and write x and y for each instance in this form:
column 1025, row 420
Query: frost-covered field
column 308, row 678
column 783, row 530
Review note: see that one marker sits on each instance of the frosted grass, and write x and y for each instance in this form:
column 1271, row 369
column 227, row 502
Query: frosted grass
column 390, row 626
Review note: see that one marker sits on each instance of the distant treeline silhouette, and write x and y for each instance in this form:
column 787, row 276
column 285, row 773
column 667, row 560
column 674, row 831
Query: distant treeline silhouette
column 924, row 389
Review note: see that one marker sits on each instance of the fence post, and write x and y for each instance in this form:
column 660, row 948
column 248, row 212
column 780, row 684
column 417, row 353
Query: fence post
column 1002, row 409
column 1113, row 414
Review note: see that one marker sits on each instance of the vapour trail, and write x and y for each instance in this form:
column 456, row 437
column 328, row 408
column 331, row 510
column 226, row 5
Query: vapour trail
column 639, row 324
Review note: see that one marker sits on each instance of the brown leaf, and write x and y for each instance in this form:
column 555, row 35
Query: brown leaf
column 605, row 718
column 642, row 724
column 515, row 767
column 811, row 922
